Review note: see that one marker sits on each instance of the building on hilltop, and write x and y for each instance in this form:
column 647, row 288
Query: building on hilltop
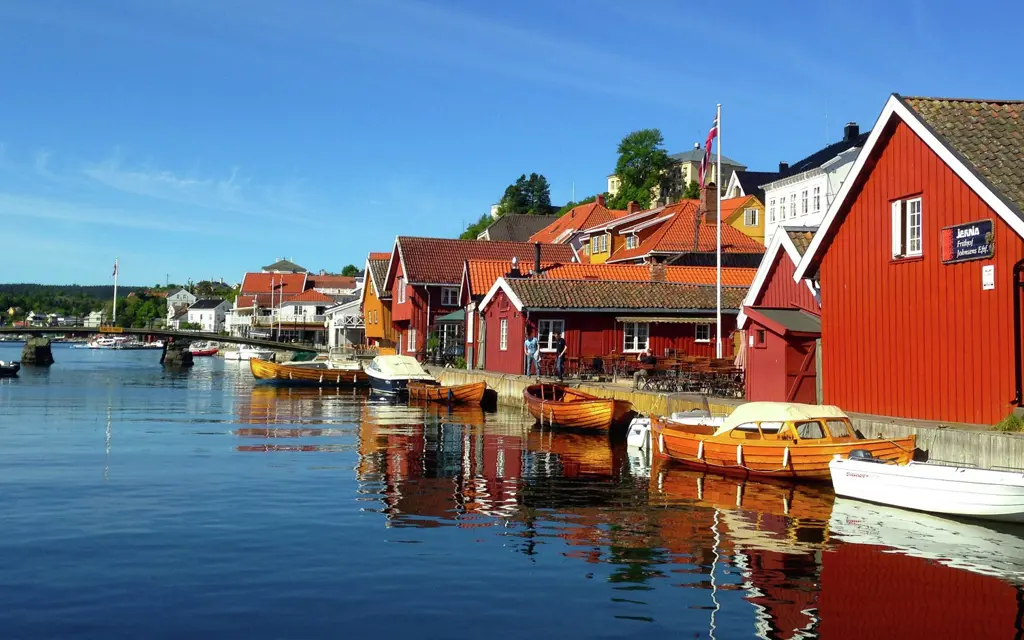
column 684, row 169
column 283, row 266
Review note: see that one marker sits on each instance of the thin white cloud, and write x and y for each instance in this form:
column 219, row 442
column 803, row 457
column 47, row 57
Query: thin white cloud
column 42, row 161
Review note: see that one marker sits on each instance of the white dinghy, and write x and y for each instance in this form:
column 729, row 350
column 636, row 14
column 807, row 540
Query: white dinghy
column 933, row 488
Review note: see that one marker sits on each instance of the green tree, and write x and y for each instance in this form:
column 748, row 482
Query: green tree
column 641, row 167
column 350, row 270
column 692, row 191
column 475, row 229
column 529, row 195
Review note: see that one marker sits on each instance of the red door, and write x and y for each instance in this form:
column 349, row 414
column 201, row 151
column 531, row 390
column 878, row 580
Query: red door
column 801, row 378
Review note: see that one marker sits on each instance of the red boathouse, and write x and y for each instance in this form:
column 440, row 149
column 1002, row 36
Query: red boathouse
column 782, row 323
column 915, row 261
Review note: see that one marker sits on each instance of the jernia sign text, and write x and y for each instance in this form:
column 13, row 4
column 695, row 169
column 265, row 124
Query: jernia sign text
column 971, row 241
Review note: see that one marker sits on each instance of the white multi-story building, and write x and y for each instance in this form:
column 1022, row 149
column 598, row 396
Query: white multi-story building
column 802, row 193
column 208, row 314
column 345, row 326
column 179, row 301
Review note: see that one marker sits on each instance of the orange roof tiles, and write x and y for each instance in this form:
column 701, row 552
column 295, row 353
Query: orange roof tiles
column 484, row 273
column 310, row 295
column 254, row 282
column 677, row 236
column 380, row 255
column 731, row 276
column 578, row 218
column 731, row 205
column 441, row 260
column 332, row 282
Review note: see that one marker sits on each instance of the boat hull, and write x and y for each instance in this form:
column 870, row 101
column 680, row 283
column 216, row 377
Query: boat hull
column 389, row 386
column 560, row 406
column 945, row 490
column 266, row 371
column 764, row 458
column 471, row 393
column 200, row 353
column 10, row 370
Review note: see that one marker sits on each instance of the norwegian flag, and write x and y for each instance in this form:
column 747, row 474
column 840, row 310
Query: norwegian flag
column 706, row 160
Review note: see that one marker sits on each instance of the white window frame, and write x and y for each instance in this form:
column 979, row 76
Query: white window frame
column 912, row 249
column 632, row 241
column 449, row 296
column 401, row 289
column 410, row 346
column 907, row 228
column 750, row 217
column 503, row 335
column 817, row 199
column 593, row 245
column 634, row 328
column 803, row 203
column 771, row 210
column 706, row 326
column 548, row 337
column 792, row 205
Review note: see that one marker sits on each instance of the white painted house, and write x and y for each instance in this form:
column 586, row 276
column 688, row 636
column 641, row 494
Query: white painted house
column 802, row 193
column 345, row 324
column 179, row 301
column 208, row 314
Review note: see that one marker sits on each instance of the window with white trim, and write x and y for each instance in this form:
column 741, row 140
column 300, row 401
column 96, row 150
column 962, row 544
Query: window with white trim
column 782, row 208
column 411, row 341
column 546, row 330
column 750, row 217
column 792, row 205
column 632, row 242
column 635, row 336
column 907, row 227
column 817, row 199
column 702, row 332
column 803, row 202
column 503, row 335
column 449, row 297
column 401, row 289
column 771, row 210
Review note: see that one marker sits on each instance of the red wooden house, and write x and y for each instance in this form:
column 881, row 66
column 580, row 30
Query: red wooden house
column 782, row 323
column 915, row 260
column 600, row 318
column 424, row 275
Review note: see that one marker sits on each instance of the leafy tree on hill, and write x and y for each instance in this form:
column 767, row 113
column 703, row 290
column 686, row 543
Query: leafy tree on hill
column 641, row 167
column 475, row 229
column 350, row 270
column 692, row 191
column 570, row 205
column 527, row 195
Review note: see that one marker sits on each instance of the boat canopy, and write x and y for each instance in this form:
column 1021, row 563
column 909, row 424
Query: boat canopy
column 779, row 412
column 400, row 367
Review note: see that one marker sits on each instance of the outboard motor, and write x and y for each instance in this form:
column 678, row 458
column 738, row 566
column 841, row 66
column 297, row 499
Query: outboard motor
column 863, row 455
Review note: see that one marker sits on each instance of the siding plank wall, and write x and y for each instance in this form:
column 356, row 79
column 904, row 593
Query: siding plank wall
column 915, row 338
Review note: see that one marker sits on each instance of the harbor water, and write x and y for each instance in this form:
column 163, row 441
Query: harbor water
column 140, row 502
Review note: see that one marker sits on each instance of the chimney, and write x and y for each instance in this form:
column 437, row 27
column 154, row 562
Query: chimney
column 850, row 131
column 536, row 258
column 657, row 271
column 709, row 202
column 783, row 167
column 514, row 272
column 600, row 199
column 632, row 207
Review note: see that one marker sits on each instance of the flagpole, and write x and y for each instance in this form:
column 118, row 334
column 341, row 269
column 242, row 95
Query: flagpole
column 718, row 249
column 113, row 320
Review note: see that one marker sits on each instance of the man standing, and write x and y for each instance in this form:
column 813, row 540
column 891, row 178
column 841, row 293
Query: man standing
column 560, row 350
column 531, row 349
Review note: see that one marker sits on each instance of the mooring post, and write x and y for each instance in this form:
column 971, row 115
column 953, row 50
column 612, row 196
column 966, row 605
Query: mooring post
column 37, row 352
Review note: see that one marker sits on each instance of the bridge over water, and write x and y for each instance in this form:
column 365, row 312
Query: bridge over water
column 193, row 336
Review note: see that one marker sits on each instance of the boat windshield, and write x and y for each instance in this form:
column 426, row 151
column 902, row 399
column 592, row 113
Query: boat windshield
column 771, row 427
column 809, row 430
column 839, row 428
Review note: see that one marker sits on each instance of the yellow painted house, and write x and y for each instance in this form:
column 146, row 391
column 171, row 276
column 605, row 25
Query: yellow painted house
column 745, row 214
column 377, row 308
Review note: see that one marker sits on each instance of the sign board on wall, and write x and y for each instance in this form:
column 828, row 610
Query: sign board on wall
column 988, row 277
column 971, row 241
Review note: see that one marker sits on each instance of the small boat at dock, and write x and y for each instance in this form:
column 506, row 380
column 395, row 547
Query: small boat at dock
column 9, row 369
column 471, row 393
column 203, row 349
column 562, row 406
column 320, row 374
column 391, row 375
column 934, row 488
column 772, row 439
column 248, row 352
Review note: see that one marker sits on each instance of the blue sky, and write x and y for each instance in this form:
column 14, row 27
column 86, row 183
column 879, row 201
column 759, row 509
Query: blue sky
column 202, row 138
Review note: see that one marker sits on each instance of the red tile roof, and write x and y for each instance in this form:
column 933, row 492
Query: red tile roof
column 441, row 260
column 380, row 255
column 577, row 219
column 331, row 282
column 538, row 293
column 261, row 282
column 484, row 273
column 731, row 276
column 731, row 205
column 677, row 236
column 310, row 295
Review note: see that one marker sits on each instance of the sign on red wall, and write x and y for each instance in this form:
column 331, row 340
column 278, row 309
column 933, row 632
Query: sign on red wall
column 971, row 241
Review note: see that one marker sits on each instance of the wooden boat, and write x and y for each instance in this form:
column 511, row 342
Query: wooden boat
column 934, row 488
column 471, row 393
column 321, row 376
column 773, row 439
column 391, row 375
column 9, row 369
column 561, row 406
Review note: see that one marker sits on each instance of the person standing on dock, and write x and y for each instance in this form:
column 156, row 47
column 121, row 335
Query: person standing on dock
column 560, row 350
column 531, row 349
column 647, row 359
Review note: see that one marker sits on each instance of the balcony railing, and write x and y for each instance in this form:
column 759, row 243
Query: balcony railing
column 272, row 321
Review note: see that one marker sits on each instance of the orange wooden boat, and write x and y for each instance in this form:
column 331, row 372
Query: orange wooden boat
column 319, row 374
column 772, row 439
column 471, row 393
column 558, row 405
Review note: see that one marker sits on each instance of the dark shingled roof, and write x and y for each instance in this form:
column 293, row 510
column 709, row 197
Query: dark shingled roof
column 751, row 181
column 207, row 303
column 822, row 156
column 285, row 266
column 517, row 227
column 988, row 134
column 379, row 273
column 536, row 293
column 801, row 237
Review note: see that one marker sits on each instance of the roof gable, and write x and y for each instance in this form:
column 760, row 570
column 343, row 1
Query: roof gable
column 678, row 234
column 311, row 295
column 254, row 282
column 440, row 261
column 578, row 218
column 284, row 266
column 1000, row 119
column 781, row 246
column 581, row 295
